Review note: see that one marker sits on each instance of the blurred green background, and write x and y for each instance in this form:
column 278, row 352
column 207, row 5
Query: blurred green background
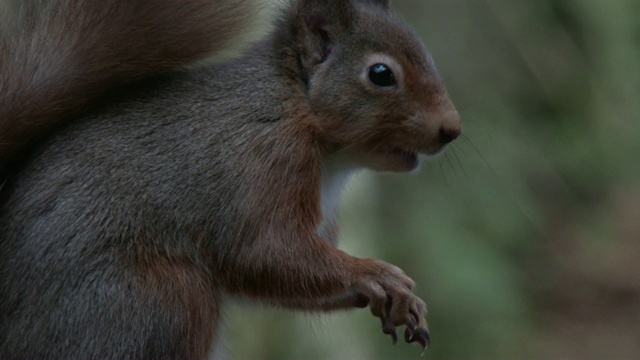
column 524, row 238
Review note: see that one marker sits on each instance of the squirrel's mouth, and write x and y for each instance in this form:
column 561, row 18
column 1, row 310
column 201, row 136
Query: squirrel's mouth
column 392, row 158
column 403, row 159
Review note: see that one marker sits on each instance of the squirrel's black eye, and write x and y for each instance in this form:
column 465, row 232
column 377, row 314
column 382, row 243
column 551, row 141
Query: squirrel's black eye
column 381, row 75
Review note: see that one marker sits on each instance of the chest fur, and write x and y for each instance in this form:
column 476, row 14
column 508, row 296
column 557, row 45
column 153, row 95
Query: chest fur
column 335, row 175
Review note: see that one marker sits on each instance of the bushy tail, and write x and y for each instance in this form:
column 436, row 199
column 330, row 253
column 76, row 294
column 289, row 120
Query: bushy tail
column 59, row 57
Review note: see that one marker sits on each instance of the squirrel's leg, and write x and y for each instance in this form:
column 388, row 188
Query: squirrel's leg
column 304, row 271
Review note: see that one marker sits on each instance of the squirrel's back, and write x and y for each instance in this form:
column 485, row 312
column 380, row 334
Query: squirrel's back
column 60, row 58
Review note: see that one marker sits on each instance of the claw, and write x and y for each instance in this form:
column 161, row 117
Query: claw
column 420, row 335
column 389, row 329
column 392, row 333
column 408, row 335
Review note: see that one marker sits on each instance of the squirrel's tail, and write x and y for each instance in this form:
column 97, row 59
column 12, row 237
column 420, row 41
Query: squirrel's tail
column 58, row 58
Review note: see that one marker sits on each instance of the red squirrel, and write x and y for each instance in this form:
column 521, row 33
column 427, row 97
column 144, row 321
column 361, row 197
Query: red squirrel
column 139, row 194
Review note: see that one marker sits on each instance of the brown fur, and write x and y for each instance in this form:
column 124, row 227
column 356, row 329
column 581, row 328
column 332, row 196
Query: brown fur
column 123, row 233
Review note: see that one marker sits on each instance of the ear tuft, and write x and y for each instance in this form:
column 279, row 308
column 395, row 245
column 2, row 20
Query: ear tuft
column 321, row 22
column 332, row 16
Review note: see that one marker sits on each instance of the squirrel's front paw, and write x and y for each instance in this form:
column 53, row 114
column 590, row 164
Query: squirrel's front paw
column 390, row 296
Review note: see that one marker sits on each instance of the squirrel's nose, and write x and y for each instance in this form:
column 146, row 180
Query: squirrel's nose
column 448, row 134
column 451, row 128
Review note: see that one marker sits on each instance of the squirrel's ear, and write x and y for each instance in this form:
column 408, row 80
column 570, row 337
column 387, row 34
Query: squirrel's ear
column 382, row 3
column 321, row 23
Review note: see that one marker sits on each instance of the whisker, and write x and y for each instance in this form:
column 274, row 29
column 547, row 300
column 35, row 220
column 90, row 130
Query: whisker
column 477, row 151
column 453, row 150
column 444, row 176
column 453, row 168
column 457, row 145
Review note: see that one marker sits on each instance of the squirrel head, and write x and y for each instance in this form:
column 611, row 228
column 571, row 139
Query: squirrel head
column 370, row 83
